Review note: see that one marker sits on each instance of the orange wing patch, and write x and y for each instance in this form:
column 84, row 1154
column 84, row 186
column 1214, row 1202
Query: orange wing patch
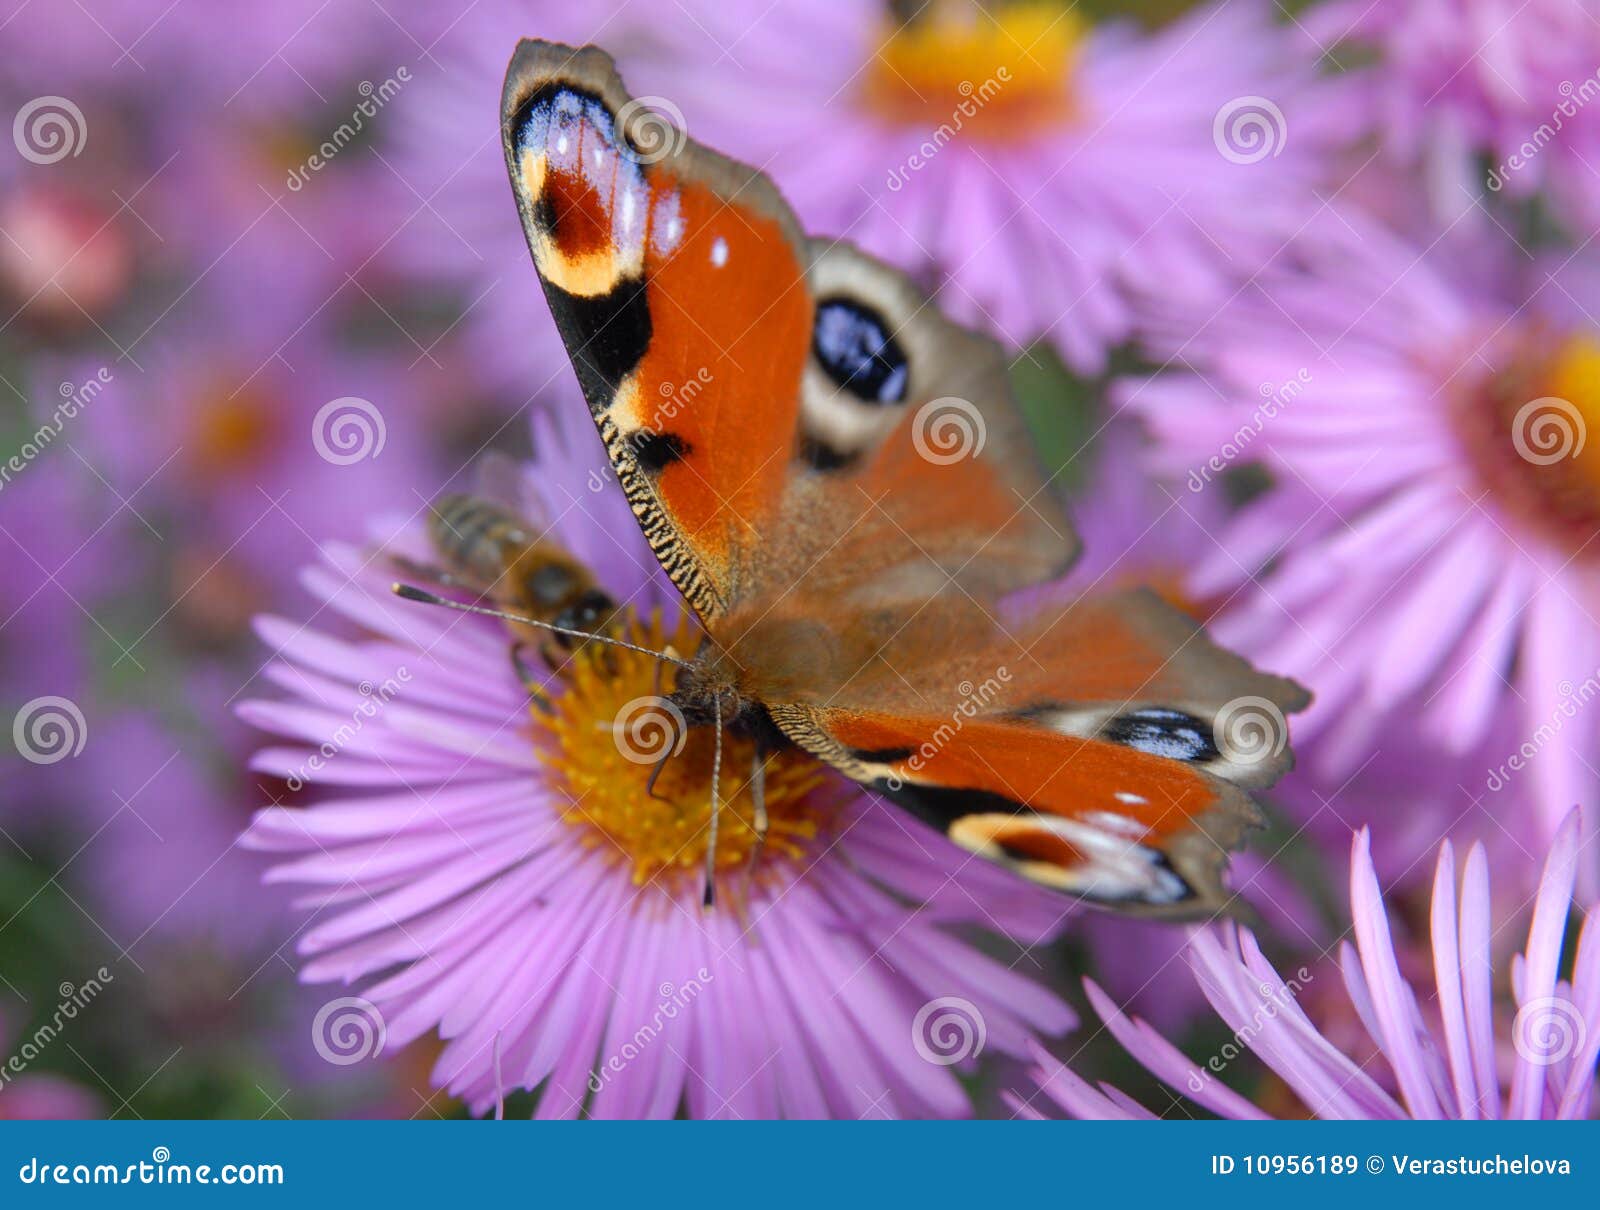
column 732, row 325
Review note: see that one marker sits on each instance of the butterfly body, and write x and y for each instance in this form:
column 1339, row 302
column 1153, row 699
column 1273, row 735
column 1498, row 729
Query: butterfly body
column 835, row 477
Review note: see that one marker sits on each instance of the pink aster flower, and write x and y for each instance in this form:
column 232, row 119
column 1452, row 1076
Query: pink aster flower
column 1042, row 173
column 66, row 552
column 494, row 869
column 1431, row 537
column 290, row 55
column 251, row 430
column 1440, row 1053
column 1458, row 83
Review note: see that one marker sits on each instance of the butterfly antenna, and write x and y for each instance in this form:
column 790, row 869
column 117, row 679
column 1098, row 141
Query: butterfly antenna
column 411, row 593
column 710, row 900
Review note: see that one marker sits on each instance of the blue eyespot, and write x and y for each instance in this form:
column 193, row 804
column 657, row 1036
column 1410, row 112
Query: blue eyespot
column 854, row 347
column 1163, row 732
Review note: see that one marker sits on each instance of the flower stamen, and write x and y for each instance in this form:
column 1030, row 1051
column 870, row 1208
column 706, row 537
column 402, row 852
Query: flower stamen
column 1533, row 432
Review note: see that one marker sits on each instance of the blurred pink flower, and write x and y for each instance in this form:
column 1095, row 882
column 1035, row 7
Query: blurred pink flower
column 66, row 552
column 242, row 431
column 1431, row 536
column 66, row 255
column 1445, row 1065
column 1412, row 795
column 1460, row 83
column 37, row 1096
column 291, row 55
column 1135, row 526
column 446, row 195
column 161, row 864
column 501, row 873
column 1043, row 175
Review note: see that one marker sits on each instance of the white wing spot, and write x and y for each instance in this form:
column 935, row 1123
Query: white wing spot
column 719, row 252
column 1119, row 825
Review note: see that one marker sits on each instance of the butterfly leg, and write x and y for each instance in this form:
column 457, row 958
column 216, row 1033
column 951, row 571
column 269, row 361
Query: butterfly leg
column 759, row 820
column 650, row 782
column 758, row 795
column 666, row 755
column 528, row 676
column 710, row 900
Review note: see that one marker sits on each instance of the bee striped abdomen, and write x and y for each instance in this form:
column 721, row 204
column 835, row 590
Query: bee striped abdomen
column 477, row 539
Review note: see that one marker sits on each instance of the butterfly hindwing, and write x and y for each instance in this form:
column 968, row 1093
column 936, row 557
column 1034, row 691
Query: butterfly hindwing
column 1102, row 747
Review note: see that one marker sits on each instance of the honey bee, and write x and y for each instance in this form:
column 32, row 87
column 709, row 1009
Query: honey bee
column 490, row 550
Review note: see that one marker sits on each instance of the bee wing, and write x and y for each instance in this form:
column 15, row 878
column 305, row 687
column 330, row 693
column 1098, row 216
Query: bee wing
column 498, row 479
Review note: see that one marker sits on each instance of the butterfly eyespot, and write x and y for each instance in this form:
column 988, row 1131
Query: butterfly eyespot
column 854, row 346
column 1164, row 732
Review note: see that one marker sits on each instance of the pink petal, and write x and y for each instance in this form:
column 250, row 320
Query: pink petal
column 1392, row 1001
column 1477, row 977
column 1168, row 1063
column 1544, row 959
column 1445, row 926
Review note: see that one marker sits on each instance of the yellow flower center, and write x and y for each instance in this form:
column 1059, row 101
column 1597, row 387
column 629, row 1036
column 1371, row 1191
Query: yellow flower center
column 606, row 731
column 997, row 74
column 1575, row 378
column 1537, row 442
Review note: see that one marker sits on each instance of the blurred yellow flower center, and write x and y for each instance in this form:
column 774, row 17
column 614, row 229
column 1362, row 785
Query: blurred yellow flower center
column 231, row 429
column 283, row 147
column 997, row 71
column 608, row 729
column 1537, row 443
